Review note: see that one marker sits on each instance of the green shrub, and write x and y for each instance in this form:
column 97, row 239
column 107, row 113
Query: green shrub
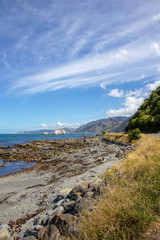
column 134, row 134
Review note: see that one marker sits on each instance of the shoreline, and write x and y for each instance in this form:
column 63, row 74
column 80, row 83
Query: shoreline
column 42, row 150
column 48, row 149
column 30, row 190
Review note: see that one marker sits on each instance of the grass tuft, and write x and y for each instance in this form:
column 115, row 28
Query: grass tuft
column 131, row 201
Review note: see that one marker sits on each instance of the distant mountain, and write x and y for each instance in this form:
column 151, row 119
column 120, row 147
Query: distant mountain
column 147, row 118
column 67, row 130
column 113, row 124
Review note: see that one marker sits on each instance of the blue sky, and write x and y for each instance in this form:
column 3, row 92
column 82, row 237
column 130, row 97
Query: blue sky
column 64, row 63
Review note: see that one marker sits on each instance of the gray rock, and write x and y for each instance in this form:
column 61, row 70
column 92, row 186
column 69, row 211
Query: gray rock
column 99, row 189
column 4, row 234
column 43, row 233
column 54, row 233
column 33, row 231
column 89, row 194
column 69, row 206
column 76, row 196
column 59, row 203
column 49, row 212
column 64, row 222
column 84, row 203
column 58, row 198
column 93, row 185
column 42, row 220
column 45, row 221
column 38, row 220
column 58, row 210
column 50, row 232
column 78, row 190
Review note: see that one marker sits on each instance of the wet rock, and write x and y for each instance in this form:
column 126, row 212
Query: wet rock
column 43, row 150
column 3, row 165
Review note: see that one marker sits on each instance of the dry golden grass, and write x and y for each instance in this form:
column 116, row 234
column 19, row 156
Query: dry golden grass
column 131, row 201
column 118, row 137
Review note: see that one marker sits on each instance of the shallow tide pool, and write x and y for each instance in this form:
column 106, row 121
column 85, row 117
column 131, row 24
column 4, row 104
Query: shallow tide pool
column 12, row 167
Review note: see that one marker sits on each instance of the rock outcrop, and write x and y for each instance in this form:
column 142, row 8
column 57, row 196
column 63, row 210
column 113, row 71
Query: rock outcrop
column 63, row 219
column 38, row 151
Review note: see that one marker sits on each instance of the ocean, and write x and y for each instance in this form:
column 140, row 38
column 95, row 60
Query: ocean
column 11, row 139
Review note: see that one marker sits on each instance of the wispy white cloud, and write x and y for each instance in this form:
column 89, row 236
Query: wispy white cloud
column 156, row 17
column 102, row 85
column 81, row 43
column 92, row 70
column 5, row 61
column 156, row 46
column 116, row 93
column 121, row 54
column 43, row 125
column 59, row 125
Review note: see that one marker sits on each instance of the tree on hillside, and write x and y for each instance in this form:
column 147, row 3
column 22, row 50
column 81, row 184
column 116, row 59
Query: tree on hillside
column 147, row 118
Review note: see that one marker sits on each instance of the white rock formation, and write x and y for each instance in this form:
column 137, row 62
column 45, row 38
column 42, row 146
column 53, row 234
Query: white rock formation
column 45, row 133
column 59, row 131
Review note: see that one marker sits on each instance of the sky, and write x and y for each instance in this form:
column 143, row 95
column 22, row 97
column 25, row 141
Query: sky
column 65, row 63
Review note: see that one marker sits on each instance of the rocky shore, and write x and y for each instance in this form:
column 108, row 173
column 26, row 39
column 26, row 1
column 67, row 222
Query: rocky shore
column 37, row 151
column 44, row 202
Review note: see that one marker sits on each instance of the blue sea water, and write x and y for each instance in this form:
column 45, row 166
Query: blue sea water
column 12, row 167
column 11, row 139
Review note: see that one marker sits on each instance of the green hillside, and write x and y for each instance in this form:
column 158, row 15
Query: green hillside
column 147, row 118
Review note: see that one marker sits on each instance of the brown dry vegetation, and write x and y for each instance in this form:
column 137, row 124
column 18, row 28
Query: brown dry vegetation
column 132, row 200
column 117, row 137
